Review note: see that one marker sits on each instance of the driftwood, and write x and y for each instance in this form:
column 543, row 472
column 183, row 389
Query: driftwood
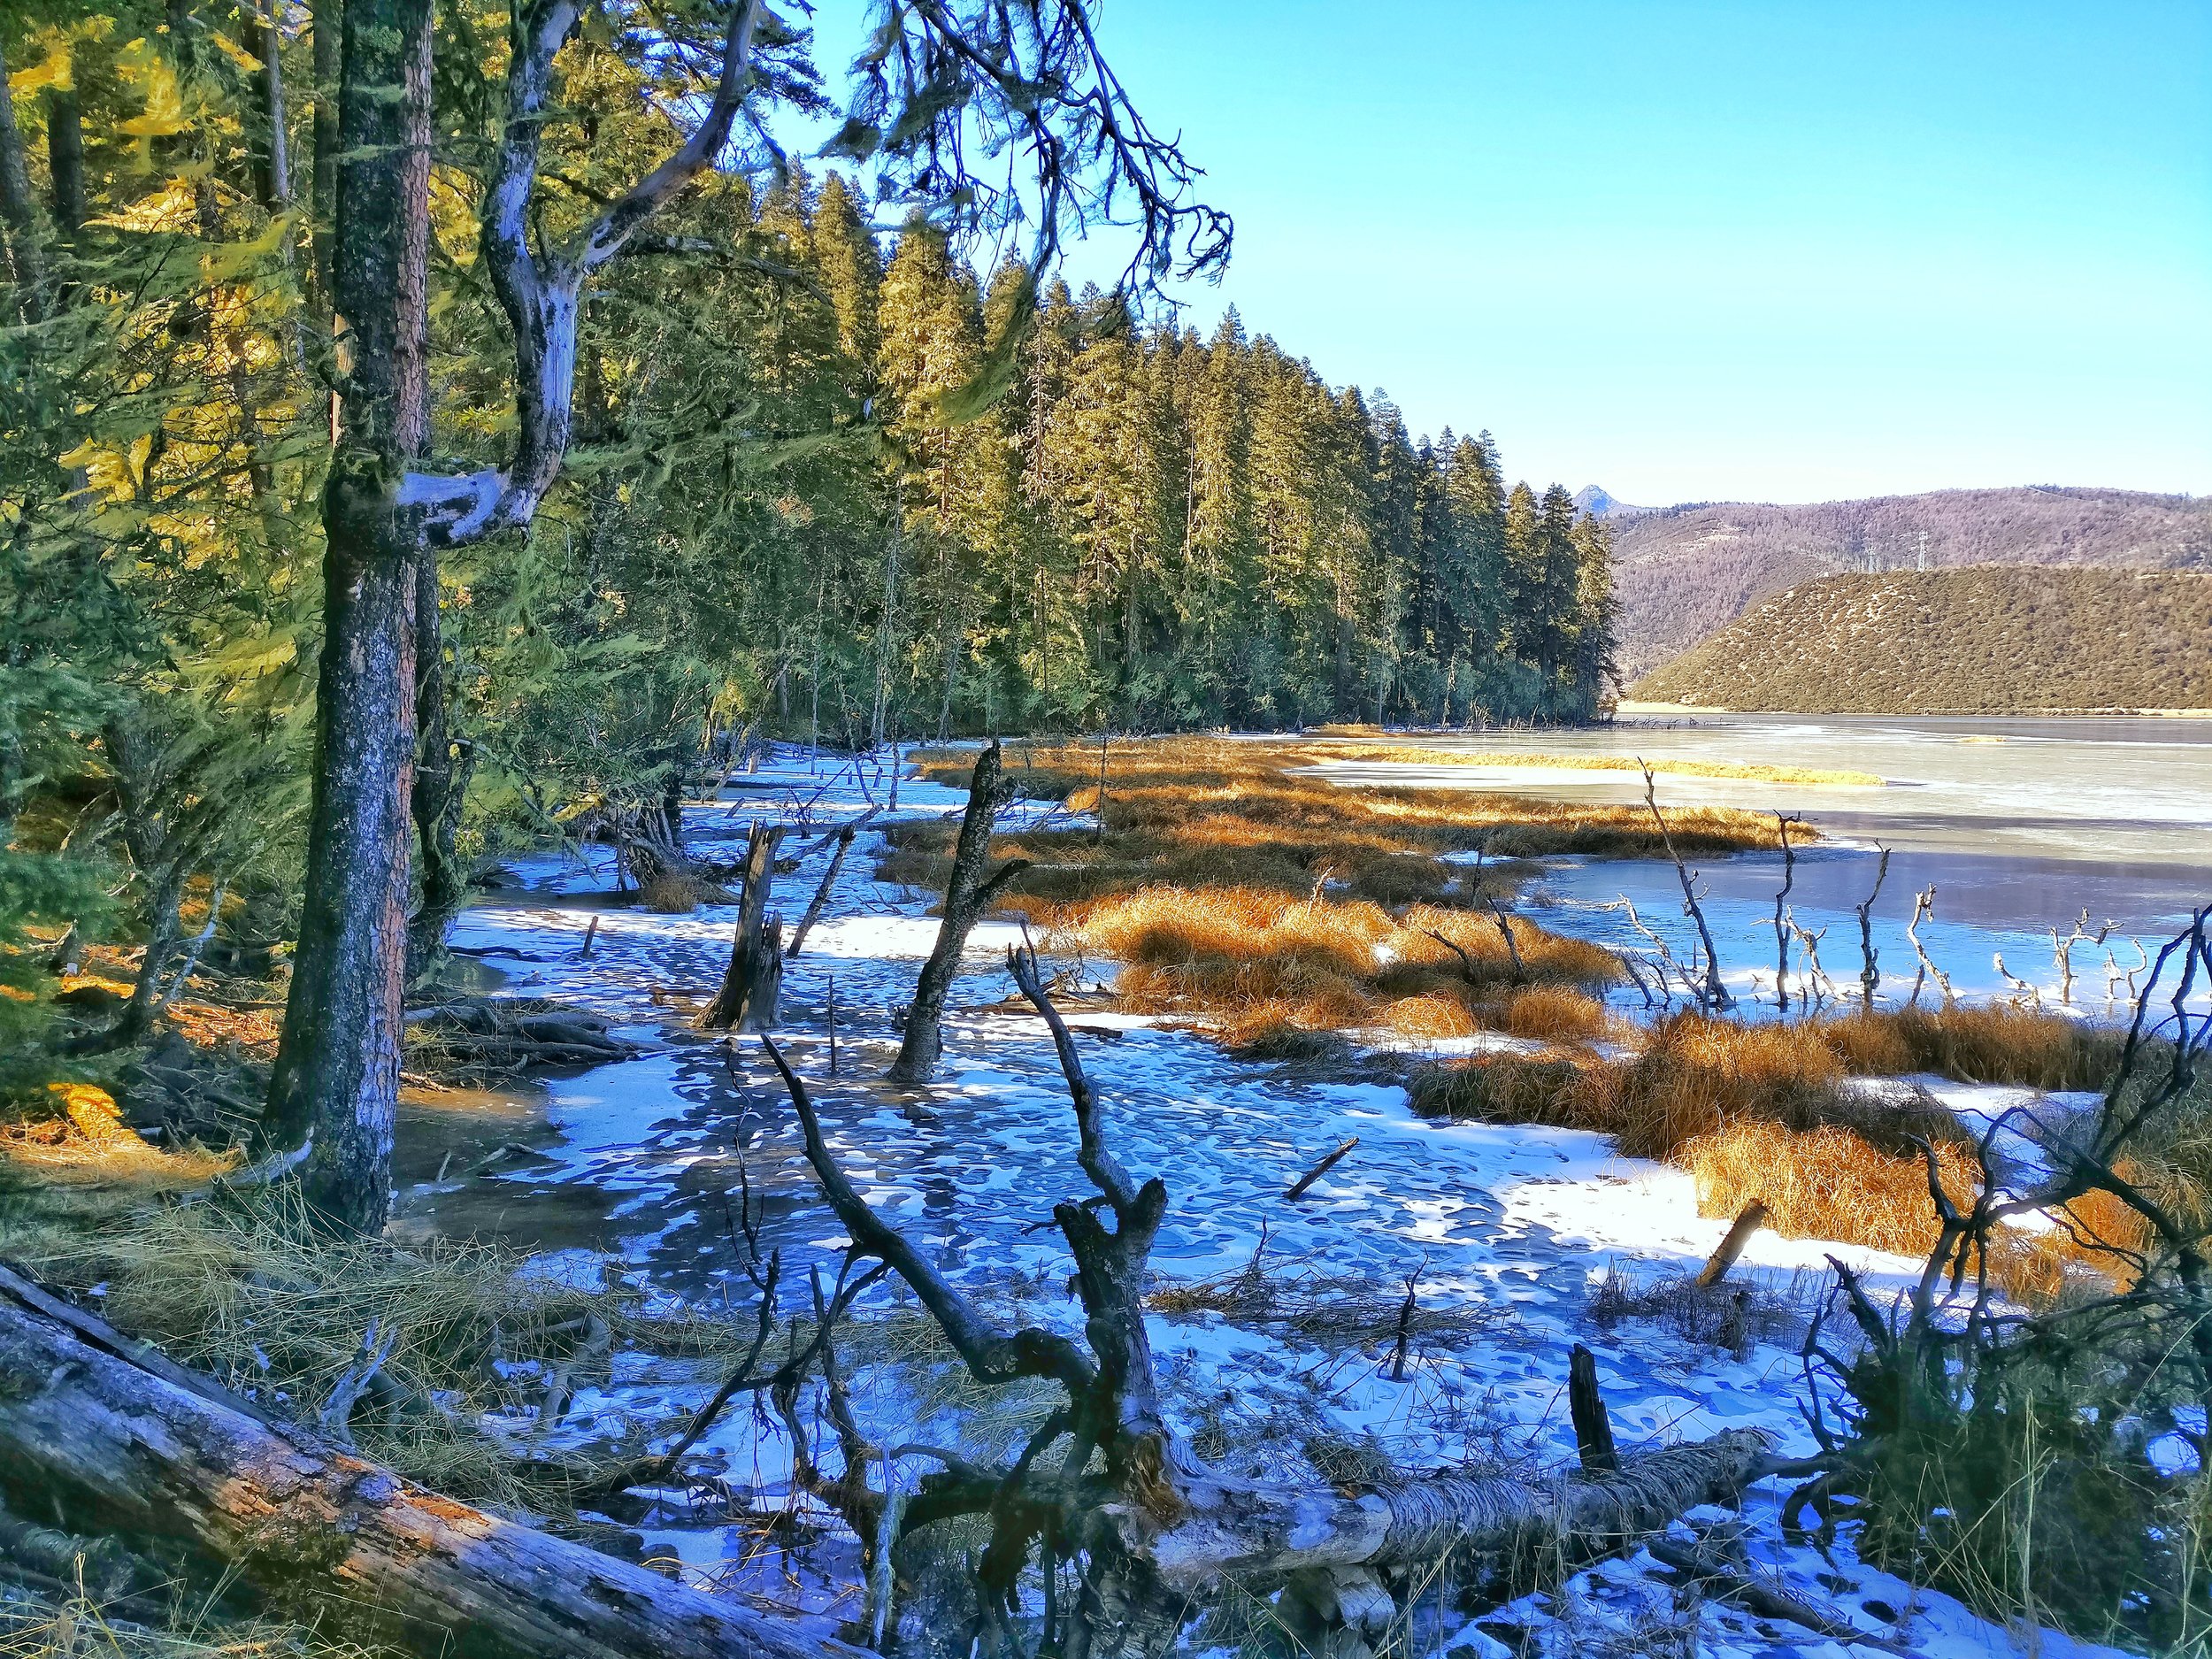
column 1782, row 822
column 968, row 894
column 1156, row 1528
column 1723, row 1581
column 1725, row 1253
column 753, row 982
column 497, row 1036
column 1711, row 993
column 1869, row 962
column 1298, row 1191
column 128, row 1442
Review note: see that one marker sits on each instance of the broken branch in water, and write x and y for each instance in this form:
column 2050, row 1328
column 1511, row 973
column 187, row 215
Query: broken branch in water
column 1298, row 1189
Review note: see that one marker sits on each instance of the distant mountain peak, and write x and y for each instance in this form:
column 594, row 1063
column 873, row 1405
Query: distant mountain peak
column 1594, row 501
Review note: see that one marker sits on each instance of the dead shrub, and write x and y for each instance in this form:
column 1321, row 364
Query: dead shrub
column 669, row 893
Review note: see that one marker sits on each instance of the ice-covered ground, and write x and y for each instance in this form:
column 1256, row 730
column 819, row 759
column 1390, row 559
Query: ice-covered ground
column 1509, row 1231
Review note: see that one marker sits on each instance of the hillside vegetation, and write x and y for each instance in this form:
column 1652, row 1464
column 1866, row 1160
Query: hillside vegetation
column 1680, row 573
column 1985, row 640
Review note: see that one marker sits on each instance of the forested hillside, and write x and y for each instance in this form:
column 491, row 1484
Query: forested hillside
column 477, row 412
column 826, row 479
column 1683, row 572
column 1985, row 639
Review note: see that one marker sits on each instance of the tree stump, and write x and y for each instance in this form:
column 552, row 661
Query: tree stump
column 754, row 978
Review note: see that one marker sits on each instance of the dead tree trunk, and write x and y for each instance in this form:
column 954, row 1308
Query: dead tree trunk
column 124, row 1441
column 967, row 895
column 754, row 979
column 829, row 879
column 1592, row 1424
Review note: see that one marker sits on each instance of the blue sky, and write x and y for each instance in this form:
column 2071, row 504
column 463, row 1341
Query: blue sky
column 1786, row 250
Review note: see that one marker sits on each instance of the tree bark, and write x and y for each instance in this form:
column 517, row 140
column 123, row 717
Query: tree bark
column 19, row 208
column 1592, row 1424
column 441, row 788
column 112, row 1434
column 336, row 1081
column 323, row 185
column 273, row 167
column 65, row 161
column 1753, row 1217
column 966, row 897
column 753, row 982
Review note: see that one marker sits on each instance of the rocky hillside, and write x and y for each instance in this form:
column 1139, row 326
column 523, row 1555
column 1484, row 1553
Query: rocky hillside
column 1985, row 639
column 1683, row 572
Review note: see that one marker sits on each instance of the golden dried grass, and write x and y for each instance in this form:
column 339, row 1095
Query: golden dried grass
column 1235, row 885
column 1824, row 1182
column 1982, row 1042
column 1554, row 1013
column 669, row 893
column 1434, row 1015
column 87, row 1146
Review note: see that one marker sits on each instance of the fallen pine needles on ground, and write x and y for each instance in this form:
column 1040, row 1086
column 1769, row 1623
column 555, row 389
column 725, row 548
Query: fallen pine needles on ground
column 469, row 1337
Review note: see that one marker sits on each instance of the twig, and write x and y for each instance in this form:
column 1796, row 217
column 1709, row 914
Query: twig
column 337, row 1411
column 1405, row 1325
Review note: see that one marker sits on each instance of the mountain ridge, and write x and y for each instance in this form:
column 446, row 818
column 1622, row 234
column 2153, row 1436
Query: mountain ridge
column 1685, row 572
column 1987, row 638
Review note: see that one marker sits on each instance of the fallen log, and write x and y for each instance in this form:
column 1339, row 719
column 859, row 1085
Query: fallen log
column 124, row 1440
column 1298, row 1189
column 1718, row 1578
column 1261, row 1534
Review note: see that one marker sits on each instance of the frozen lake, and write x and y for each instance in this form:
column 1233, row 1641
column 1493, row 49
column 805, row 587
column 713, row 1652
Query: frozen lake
column 2019, row 824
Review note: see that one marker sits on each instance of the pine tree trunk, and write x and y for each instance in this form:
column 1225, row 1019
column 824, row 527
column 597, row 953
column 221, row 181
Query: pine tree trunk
column 337, row 1073
column 65, row 161
column 441, row 786
column 273, row 166
column 323, row 186
column 19, row 208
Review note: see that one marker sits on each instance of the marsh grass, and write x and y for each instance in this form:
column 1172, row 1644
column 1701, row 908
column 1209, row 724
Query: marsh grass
column 1982, row 1042
column 1235, row 886
column 1825, row 1183
column 1735, row 1314
column 38, row 1626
